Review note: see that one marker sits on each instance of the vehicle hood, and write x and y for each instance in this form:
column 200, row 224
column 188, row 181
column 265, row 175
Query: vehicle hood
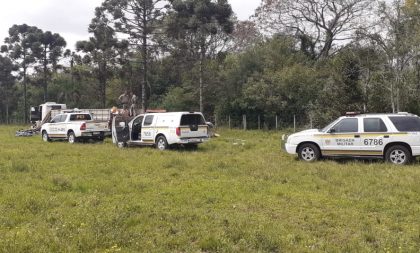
column 309, row 132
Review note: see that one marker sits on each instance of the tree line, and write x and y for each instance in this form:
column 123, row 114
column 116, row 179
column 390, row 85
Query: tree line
column 309, row 59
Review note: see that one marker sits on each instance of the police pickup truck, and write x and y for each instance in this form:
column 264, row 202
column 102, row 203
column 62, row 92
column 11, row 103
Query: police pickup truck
column 74, row 127
column 161, row 130
column 392, row 137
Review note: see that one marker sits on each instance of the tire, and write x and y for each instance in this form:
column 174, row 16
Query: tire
column 309, row 152
column 398, row 155
column 161, row 143
column 71, row 137
column 122, row 144
column 45, row 136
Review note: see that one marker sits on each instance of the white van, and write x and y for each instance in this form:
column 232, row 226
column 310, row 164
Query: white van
column 161, row 130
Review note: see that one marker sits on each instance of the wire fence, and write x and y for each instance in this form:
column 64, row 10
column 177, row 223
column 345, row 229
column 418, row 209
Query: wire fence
column 13, row 122
column 242, row 122
column 259, row 122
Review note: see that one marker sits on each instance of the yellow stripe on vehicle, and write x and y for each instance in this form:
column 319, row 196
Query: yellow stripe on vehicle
column 57, row 135
column 332, row 136
column 352, row 152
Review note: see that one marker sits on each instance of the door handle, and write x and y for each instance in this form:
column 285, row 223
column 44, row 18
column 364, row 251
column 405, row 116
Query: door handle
column 357, row 136
column 386, row 136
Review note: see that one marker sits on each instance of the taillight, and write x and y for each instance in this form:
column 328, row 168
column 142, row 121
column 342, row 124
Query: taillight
column 178, row 131
column 83, row 126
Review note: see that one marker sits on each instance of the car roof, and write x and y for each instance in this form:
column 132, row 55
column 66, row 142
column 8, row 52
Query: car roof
column 401, row 114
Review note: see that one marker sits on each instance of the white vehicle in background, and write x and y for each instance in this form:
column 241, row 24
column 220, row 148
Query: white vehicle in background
column 392, row 137
column 73, row 127
column 161, row 130
column 45, row 112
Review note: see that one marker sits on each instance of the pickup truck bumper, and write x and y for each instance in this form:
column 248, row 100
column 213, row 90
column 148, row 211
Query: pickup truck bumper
column 193, row 140
column 92, row 135
column 289, row 148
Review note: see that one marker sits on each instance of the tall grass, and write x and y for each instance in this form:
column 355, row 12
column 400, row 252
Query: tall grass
column 237, row 193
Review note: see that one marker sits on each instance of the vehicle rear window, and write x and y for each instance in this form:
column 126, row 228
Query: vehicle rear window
column 408, row 124
column 374, row 125
column 192, row 119
column 80, row 117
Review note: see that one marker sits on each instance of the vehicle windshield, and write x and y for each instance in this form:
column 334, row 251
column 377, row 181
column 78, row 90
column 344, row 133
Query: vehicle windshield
column 325, row 129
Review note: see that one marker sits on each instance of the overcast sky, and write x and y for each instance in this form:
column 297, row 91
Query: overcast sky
column 70, row 18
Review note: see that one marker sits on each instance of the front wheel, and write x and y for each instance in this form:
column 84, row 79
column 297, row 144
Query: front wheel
column 161, row 143
column 309, row 152
column 398, row 155
column 45, row 136
column 72, row 138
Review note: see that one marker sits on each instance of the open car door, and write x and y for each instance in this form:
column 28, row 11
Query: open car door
column 120, row 131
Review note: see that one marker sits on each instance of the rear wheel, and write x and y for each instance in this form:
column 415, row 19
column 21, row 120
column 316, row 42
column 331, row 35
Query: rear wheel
column 71, row 137
column 122, row 144
column 45, row 136
column 309, row 152
column 161, row 143
column 398, row 155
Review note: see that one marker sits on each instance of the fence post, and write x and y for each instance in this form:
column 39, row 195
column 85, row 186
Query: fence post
column 294, row 123
column 259, row 122
column 230, row 127
column 244, row 121
column 310, row 119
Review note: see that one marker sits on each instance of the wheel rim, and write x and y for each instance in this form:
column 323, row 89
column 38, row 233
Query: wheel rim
column 45, row 136
column 161, row 144
column 308, row 154
column 398, row 156
column 71, row 138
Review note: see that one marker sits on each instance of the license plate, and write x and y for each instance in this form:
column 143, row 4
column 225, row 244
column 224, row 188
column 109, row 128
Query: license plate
column 96, row 133
column 194, row 140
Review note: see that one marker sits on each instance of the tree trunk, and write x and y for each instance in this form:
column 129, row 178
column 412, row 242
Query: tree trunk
column 201, row 81
column 45, row 76
column 102, row 82
column 25, row 113
column 144, row 52
column 7, row 112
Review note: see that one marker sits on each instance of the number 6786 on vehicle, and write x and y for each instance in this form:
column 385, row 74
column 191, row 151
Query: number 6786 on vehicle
column 392, row 137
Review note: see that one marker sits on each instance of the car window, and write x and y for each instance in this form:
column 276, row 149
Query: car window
column 346, row 126
column 374, row 125
column 63, row 118
column 148, row 120
column 138, row 120
column 56, row 119
column 409, row 124
column 192, row 119
column 80, row 117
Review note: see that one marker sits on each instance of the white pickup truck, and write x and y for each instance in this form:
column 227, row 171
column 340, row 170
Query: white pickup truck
column 74, row 127
column 161, row 130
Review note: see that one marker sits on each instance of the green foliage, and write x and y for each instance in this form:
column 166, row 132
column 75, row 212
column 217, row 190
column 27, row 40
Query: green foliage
column 103, row 51
column 237, row 193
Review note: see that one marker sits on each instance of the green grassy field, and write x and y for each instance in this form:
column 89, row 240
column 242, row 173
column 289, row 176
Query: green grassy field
column 237, row 193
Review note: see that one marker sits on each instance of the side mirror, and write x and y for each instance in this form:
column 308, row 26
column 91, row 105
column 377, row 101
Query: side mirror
column 52, row 121
column 332, row 131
